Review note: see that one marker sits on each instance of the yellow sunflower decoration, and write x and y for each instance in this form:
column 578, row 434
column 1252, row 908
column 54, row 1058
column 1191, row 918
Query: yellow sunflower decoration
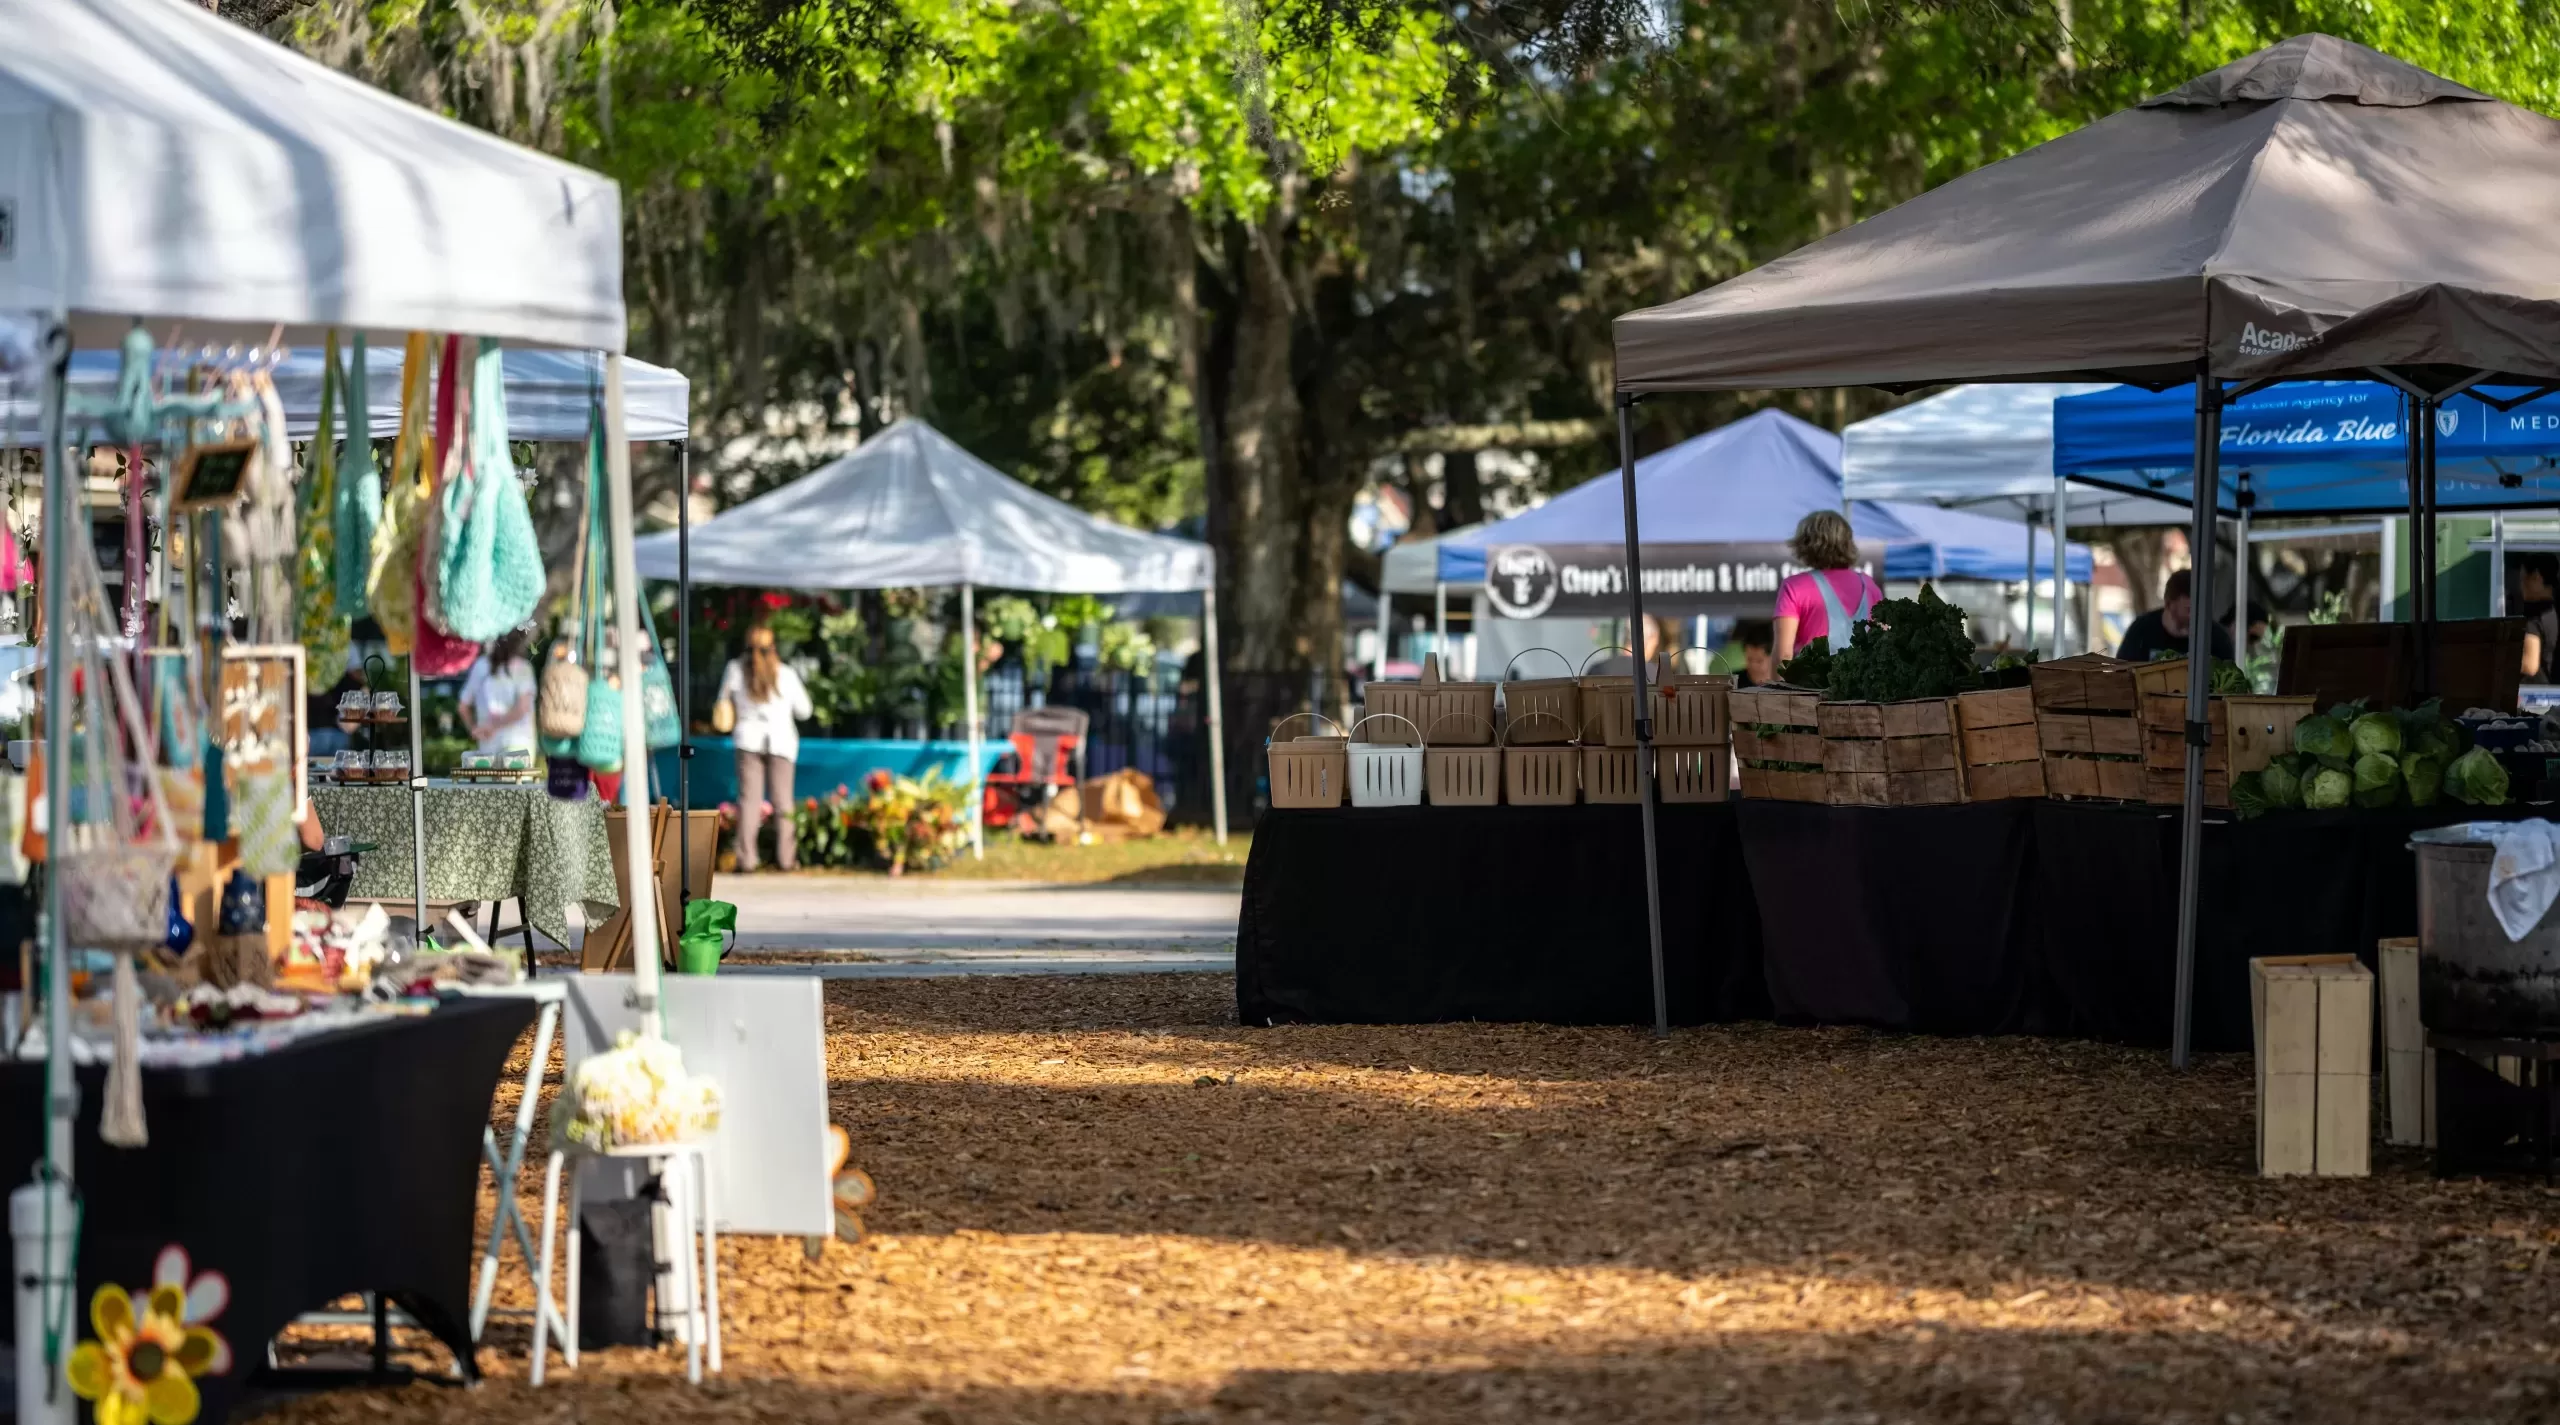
column 142, row 1369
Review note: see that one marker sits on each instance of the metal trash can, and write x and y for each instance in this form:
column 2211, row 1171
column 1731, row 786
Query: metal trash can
column 2472, row 980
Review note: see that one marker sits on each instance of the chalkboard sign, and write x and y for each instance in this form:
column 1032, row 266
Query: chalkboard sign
column 210, row 476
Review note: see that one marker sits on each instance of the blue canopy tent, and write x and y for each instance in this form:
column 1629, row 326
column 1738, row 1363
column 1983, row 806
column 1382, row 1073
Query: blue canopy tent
column 1723, row 505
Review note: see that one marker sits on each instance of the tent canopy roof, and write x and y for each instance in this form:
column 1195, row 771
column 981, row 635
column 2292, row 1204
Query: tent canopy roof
column 547, row 394
column 2314, row 209
column 1987, row 448
column 1749, row 483
column 169, row 165
column 908, row 508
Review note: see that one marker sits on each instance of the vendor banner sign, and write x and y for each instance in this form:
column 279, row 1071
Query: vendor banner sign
column 2128, row 428
column 1579, row 580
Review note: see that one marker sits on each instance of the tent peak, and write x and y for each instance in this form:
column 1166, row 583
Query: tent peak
column 2319, row 68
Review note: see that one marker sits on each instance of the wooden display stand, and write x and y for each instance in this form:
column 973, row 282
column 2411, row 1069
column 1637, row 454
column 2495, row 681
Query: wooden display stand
column 608, row 943
column 2313, row 1022
column 2479, row 663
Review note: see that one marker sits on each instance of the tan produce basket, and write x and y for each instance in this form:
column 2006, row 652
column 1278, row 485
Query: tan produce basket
column 1424, row 703
column 1692, row 774
column 1541, row 774
column 1312, row 771
column 1690, row 709
column 1608, row 704
column 1609, row 776
column 1462, row 774
column 1540, row 698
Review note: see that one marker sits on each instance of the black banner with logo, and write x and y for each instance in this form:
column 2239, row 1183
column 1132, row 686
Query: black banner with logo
column 1590, row 580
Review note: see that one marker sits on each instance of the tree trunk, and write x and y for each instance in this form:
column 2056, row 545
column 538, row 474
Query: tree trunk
column 1461, row 490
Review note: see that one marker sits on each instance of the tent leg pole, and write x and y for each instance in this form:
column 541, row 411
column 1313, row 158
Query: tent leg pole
column 1643, row 709
column 2498, row 565
column 684, row 677
column 61, row 509
column 635, row 720
column 1440, row 627
column 969, row 716
column 2428, row 548
column 1217, row 710
column 2241, row 565
column 2061, row 567
column 2207, row 499
column 2029, row 641
column 418, row 800
column 1386, row 632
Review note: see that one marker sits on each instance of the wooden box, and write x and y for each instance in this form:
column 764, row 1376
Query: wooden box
column 2001, row 755
column 2262, row 728
column 1775, row 738
column 2405, row 1060
column 1691, row 774
column 2479, row 663
column 2086, row 682
column 1891, row 754
column 2167, row 786
column 2312, row 1017
column 2093, row 778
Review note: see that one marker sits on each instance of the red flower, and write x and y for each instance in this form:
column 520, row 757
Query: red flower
column 774, row 600
column 878, row 781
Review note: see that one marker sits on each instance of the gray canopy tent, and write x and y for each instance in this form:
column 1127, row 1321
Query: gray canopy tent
column 2315, row 210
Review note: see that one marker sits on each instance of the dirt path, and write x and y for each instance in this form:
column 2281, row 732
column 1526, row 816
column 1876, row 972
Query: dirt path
column 1105, row 1202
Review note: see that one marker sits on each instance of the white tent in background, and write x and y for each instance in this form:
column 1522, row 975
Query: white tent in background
column 158, row 162
column 1988, row 449
column 909, row 508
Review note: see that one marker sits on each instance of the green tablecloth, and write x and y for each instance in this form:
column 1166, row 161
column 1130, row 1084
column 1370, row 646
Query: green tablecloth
column 483, row 844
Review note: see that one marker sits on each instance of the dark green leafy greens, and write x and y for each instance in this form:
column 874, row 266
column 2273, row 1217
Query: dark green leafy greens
column 1811, row 667
column 1912, row 648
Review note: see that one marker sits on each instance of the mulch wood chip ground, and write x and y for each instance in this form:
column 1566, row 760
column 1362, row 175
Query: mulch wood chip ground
column 1102, row 1200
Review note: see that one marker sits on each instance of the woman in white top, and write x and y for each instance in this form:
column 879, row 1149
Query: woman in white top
column 498, row 697
column 767, row 699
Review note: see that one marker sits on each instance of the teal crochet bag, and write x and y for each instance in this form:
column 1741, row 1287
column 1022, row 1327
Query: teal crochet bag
column 600, row 741
column 490, row 569
column 657, row 689
column 357, row 500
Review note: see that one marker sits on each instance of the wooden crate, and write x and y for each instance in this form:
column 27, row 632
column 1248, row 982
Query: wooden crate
column 2087, row 682
column 2477, row 662
column 2089, row 734
column 2167, row 786
column 2262, row 728
column 2001, row 755
column 2404, row 1046
column 1781, row 785
column 1800, row 743
column 2164, row 732
column 2312, row 1017
column 2093, row 778
column 1891, row 754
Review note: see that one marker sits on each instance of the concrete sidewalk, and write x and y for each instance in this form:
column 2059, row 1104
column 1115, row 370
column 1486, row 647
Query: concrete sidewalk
column 863, row 927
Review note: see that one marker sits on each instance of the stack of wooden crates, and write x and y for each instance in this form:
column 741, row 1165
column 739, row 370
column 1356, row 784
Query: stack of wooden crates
column 2086, row 727
column 1777, row 740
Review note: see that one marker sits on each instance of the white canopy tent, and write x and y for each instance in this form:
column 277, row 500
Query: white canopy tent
column 163, row 166
column 909, row 508
column 547, row 393
column 1988, row 449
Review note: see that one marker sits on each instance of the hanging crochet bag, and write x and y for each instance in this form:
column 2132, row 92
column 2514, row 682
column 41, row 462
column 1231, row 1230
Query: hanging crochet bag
column 262, row 816
column 111, row 881
column 439, row 653
column 600, row 738
column 323, row 632
column 357, row 498
column 492, row 577
column 391, row 579
column 657, row 689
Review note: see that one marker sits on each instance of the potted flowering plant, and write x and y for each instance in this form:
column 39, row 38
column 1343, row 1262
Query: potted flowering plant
column 913, row 821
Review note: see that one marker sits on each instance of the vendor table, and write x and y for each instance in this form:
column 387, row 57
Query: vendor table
column 1419, row 914
column 345, row 1162
column 484, row 843
column 1901, row 917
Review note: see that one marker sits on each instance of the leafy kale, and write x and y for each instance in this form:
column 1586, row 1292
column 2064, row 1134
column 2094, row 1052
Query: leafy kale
column 1912, row 648
column 1811, row 667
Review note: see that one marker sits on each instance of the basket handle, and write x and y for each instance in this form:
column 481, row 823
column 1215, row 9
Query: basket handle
column 1354, row 734
column 1430, row 669
column 1471, row 717
column 1525, row 652
column 1674, row 659
column 1504, row 736
column 1293, row 717
column 1585, row 670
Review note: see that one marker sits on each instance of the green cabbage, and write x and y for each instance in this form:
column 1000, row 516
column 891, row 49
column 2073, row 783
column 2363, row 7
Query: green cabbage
column 2376, row 732
column 2324, row 738
column 2377, row 780
column 2424, row 772
column 2280, row 782
column 2476, row 778
column 2249, row 795
column 2326, row 789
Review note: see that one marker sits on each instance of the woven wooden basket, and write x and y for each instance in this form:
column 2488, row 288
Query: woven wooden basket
column 1425, row 703
column 1541, row 774
column 1461, row 774
column 1311, row 771
column 1540, row 698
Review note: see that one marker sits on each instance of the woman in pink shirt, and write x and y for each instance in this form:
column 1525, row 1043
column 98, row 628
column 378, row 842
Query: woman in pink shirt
column 1828, row 598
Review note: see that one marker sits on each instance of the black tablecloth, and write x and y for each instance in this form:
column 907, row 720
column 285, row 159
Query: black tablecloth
column 2289, row 883
column 346, row 1162
column 1420, row 914
column 1901, row 917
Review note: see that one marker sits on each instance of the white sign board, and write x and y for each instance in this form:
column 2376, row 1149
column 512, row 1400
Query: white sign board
column 763, row 1039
